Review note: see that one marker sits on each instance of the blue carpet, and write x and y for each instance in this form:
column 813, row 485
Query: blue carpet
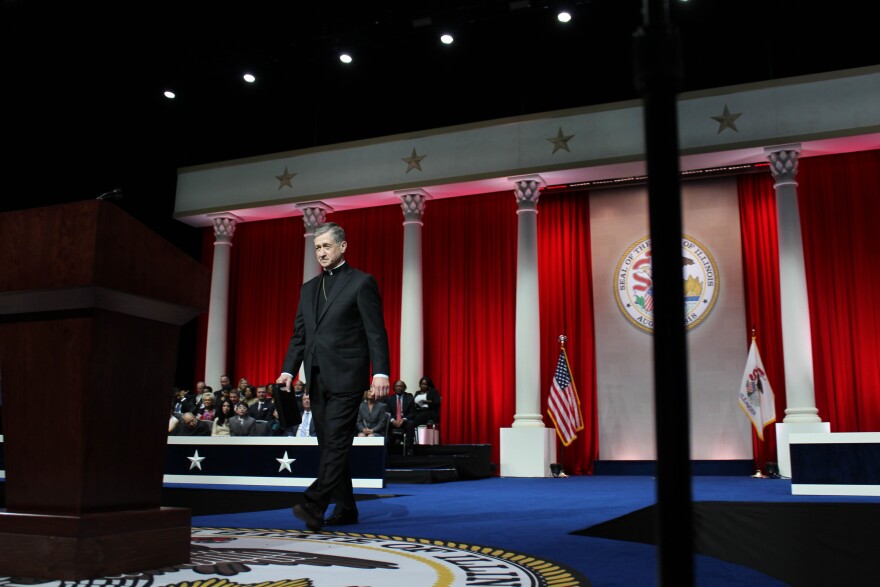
column 540, row 517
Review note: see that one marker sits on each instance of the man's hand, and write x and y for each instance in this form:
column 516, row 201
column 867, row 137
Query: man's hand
column 380, row 387
column 284, row 380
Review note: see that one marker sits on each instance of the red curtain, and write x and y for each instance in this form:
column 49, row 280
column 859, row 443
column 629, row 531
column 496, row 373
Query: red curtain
column 469, row 264
column 266, row 272
column 839, row 202
column 757, row 208
column 566, row 291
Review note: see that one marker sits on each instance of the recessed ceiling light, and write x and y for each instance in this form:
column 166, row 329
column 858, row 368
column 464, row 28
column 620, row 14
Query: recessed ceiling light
column 169, row 94
column 249, row 78
column 446, row 39
column 563, row 16
column 345, row 58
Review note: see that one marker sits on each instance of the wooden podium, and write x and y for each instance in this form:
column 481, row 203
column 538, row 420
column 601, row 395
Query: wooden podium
column 91, row 304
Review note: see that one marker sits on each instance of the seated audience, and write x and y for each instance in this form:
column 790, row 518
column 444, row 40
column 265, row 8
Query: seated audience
column 221, row 419
column 372, row 416
column 427, row 403
column 262, row 408
column 307, row 426
column 206, row 410
column 190, row 425
column 173, row 422
column 402, row 409
column 242, row 423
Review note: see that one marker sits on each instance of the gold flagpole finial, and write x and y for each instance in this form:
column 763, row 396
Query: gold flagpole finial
column 562, row 339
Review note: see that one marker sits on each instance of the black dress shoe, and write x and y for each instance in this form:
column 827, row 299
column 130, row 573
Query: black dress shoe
column 310, row 514
column 343, row 518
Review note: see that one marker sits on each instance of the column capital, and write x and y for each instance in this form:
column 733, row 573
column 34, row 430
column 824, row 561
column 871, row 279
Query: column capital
column 783, row 162
column 224, row 227
column 412, row 202
column 527, row 189
column 314, row 215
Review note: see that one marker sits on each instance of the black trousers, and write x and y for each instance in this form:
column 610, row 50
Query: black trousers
column 335, row 416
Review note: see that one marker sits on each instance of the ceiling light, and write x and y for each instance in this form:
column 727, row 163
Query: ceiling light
column 446, row 39
column 345, row 58
column 169, row 94
column 563, row 16
column 249, row 78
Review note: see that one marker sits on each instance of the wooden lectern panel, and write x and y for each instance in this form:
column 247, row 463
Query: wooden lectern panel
column 91, row 306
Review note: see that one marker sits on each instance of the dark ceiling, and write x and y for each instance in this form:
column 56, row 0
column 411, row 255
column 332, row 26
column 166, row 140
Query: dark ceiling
column 83, row 81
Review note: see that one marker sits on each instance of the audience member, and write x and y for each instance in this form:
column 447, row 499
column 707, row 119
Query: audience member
column 372, row 416
column 427, row 403
column 307, row 426
column 173, row 422
column 198, row 391
column 221, row 419
column 242, row 423
column 183, row 401
column 249, row 396
column 402, row 409
column 235, row 397
column 275, row 428
column 299, row 390
column 225, row 386
column 206, row 410
column 190, row 425
column 263, row 408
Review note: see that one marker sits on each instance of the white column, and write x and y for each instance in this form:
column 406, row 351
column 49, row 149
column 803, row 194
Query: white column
column 314, row 215
column 528, row 448
column 218, row 309
column 801, row 414
column 412, row 317
column 528, row 319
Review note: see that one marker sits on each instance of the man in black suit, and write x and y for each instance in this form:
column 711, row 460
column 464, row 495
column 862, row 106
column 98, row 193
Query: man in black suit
column 262, row 408
column 402, row 408
column 339, row 336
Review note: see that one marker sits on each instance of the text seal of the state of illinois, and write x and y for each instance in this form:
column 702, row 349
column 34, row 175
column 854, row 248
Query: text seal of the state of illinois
column 634, row 283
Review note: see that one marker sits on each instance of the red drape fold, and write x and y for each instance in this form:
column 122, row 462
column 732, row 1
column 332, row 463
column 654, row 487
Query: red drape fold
column 760, row 254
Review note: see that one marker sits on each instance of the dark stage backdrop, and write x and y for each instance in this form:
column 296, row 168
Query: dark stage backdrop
column 469, row 264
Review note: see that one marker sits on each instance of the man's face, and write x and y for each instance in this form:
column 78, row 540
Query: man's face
column 307, row 403
column 234, row 397
column 329, row 253
column 200, row 387
column 261, row 393
column 224, row 381
column 241, row 409
column 190, row 421
column 399, row 387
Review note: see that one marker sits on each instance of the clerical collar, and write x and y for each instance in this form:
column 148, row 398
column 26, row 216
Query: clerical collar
column 334, row 270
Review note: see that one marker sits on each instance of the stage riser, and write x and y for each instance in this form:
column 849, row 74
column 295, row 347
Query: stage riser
column 440, row 463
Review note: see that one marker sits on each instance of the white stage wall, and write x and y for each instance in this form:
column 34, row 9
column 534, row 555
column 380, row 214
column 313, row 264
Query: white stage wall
column 717, row 346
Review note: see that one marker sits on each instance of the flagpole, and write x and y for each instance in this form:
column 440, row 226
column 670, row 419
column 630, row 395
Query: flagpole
column 561, row 459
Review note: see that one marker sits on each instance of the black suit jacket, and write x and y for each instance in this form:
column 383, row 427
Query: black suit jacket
column 347, row 336
column 264, row 413
column 409, row 406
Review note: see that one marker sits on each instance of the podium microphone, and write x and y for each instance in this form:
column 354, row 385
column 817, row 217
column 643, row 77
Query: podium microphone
column 111, row 195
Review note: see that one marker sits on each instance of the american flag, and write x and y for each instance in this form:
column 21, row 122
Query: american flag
column 563, row 405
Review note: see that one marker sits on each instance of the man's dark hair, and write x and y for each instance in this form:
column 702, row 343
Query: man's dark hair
column 336, row 231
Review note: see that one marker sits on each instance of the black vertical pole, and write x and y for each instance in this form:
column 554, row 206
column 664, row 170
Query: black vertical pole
column 658, row 75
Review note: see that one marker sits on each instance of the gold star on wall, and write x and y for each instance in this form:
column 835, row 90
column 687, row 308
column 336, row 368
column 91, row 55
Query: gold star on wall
column 414, row 161
column 284, row 179
column 560, row 141
column 727, row 120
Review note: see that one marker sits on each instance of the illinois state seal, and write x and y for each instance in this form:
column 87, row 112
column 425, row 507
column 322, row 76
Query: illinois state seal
column 634, row 284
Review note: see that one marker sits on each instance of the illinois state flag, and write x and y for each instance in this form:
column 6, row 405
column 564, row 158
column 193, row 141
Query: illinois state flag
column 563, row 405
column 755, row 394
